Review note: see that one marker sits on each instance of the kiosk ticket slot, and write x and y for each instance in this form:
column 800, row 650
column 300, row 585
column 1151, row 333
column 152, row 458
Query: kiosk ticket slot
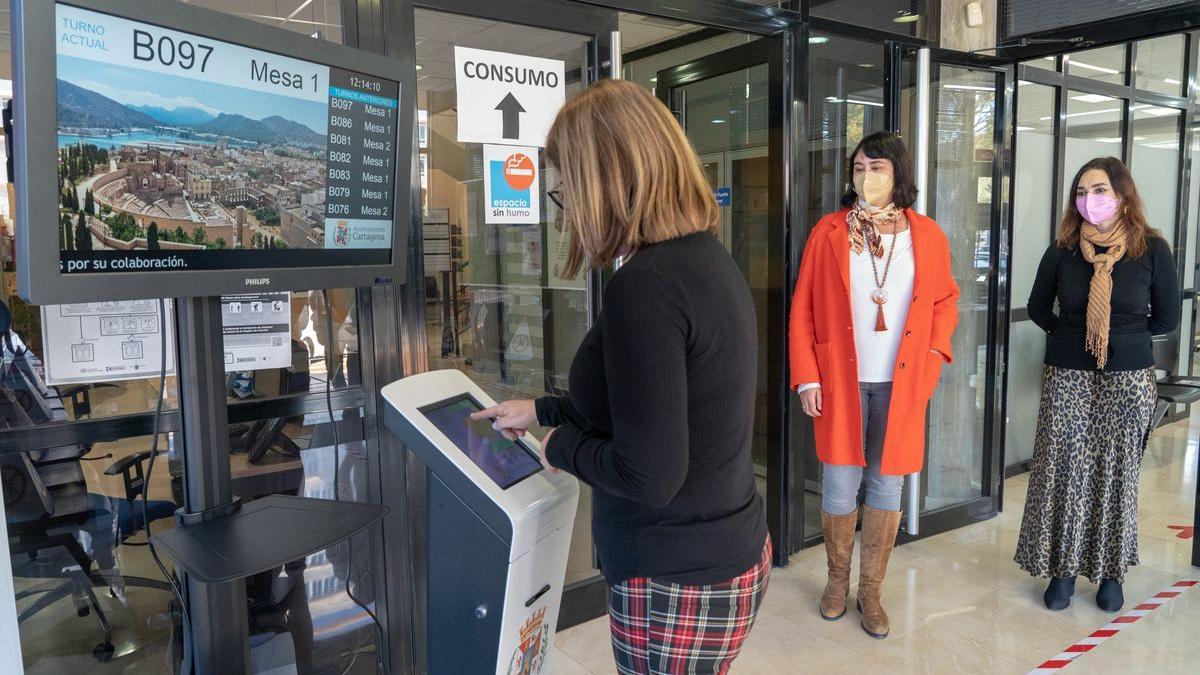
column 499, row 529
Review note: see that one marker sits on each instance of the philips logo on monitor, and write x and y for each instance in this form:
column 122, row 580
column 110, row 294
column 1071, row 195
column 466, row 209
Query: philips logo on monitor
column 258, row 281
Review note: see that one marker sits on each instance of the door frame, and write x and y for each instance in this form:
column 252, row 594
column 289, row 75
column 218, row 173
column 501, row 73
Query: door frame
column 768, row 50
column 989, row 502
column 387, row 26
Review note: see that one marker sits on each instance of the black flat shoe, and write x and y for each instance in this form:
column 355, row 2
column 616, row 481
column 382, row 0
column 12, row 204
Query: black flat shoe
column 1058, row 593
column 1110, row 597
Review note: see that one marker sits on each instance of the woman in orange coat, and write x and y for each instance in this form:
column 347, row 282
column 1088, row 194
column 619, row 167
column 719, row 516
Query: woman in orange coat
column 871, row 321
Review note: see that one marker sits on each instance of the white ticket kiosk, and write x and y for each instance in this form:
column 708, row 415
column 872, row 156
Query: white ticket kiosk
column 499, row 529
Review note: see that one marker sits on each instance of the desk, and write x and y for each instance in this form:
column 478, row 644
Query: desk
column 274, row 474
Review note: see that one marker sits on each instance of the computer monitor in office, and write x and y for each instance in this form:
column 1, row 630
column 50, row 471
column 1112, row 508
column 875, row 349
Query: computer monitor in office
column 164, row 150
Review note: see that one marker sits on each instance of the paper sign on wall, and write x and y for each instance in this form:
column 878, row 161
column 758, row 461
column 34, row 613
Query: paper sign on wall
column 112, row 341
column 258, row 331
column 511, row 185
column 105, row 341
column 506, row 98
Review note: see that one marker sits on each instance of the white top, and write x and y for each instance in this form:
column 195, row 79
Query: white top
column 877, row 351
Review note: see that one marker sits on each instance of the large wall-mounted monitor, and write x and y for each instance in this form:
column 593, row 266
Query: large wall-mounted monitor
column 164, row 150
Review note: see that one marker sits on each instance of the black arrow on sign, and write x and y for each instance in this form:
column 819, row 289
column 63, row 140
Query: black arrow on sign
column 511, row 107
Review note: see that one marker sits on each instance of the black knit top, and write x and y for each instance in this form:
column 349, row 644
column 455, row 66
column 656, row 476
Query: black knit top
column 661, row 414
column 1145, row 302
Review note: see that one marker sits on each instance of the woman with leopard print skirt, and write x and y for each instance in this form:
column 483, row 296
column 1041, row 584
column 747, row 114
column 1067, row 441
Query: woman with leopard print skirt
column 1114, row 279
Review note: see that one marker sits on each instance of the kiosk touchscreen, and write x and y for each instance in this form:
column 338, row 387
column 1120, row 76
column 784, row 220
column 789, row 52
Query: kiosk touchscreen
column 499, row 529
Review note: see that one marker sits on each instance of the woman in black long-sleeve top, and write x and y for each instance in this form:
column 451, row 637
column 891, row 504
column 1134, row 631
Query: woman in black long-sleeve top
column 1115, row 283
column 661, row 411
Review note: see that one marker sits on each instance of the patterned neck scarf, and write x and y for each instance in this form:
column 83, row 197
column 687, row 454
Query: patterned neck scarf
column 865, row 220
column 1099, row 307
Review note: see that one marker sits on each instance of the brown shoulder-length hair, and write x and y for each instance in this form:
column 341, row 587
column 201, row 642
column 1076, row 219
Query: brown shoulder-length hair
column 886, row 145
column 1138, row 232
column 629, row 176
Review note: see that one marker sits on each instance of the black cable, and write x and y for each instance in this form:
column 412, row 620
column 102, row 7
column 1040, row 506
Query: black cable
column 330, row 343
column 162, row 384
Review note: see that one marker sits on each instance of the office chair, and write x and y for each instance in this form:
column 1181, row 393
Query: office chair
column 1172, row 389
column 58, row 531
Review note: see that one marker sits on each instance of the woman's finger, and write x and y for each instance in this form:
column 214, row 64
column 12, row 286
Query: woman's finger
column 489, row 413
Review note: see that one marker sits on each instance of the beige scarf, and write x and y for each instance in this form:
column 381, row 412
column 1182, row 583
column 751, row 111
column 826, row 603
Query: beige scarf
column 1099, row 307
column 865, row 221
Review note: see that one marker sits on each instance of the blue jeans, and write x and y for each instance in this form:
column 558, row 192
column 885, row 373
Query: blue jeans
column 844, row 487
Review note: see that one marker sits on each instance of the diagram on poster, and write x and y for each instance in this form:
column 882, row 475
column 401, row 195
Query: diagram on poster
column 511, row 185
column 105, row 341
column 258, row 331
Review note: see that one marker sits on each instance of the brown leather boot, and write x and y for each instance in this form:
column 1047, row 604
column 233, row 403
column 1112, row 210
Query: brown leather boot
column 839, row 547
column 878, row 536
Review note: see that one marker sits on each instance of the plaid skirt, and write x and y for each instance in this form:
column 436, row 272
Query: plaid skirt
column 662, row 628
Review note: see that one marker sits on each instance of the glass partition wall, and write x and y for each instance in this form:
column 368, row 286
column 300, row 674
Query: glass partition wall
column 1134, row 101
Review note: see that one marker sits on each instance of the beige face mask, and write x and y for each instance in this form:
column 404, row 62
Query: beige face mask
column 874, row 187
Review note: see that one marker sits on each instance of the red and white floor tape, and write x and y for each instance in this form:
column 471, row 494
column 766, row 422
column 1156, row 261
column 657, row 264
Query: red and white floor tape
column 1118, row 624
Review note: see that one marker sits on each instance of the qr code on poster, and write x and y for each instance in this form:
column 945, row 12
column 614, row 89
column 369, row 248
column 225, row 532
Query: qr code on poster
column 276, row 340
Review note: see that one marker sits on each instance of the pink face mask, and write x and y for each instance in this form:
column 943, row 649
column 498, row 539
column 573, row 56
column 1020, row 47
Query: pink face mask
column 1096, row 208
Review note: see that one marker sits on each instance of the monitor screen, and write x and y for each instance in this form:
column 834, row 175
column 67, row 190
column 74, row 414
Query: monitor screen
column 178, row 151
column 505, row 462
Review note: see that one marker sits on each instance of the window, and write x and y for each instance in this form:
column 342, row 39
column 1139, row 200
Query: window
column 1155, row 165
column 1094, row 129
column 1045, row 63
column 1160, row 65
column 1106, row 64
column 1033, row 224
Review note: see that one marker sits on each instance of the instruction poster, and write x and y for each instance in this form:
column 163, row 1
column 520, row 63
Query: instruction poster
column 112, row 341
column 258, row 331
column 511, row 186
column 105, row 341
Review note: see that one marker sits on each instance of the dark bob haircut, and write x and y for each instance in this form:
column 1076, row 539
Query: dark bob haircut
column 886, row 145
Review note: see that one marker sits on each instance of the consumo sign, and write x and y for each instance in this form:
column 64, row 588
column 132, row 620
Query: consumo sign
column 506, row 99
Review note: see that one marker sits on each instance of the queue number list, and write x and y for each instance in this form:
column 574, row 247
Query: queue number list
column 360, row 178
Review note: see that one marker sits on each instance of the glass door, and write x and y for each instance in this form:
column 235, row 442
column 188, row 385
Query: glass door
column 967, row 193
column 495, row 307
column 730, row 106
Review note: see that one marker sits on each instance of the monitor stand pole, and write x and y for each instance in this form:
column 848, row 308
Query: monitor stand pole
column 220, row 635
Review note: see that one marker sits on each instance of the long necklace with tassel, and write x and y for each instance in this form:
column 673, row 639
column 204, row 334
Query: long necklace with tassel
column 879, row 296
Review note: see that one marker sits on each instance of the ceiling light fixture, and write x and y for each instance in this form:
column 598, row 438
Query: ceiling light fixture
column 818, row 40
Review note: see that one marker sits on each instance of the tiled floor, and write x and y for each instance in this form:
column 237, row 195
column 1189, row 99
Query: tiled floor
column 960, row 605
